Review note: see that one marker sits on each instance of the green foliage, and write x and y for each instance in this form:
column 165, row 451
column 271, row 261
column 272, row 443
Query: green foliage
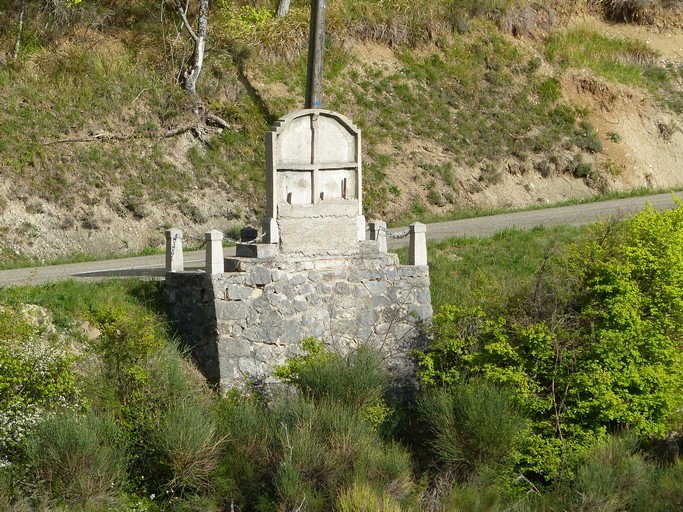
column 594, row 351
column 471, row 497
column 608, row 475
column 614, row 475
column 359, row 379
column 125, row 342
column 242, row 21
column 37, row 374
column 77, row 460
column 187, row 439
column 626, row 61
column 474, row 426
column 362, row 497
column 326, row 445
column 587, row 138
column 306, row 448
column 472, row 271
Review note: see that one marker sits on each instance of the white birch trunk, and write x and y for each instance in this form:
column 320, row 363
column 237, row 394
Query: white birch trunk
column 283, row 8
column 191, row 74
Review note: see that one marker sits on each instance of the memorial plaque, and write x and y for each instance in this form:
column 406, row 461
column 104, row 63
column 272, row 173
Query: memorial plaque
column 313, row 166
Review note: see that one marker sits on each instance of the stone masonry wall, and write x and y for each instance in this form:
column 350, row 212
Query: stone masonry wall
column 242, row 324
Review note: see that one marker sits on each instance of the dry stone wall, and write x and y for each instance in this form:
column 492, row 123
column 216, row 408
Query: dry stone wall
column 241, row 324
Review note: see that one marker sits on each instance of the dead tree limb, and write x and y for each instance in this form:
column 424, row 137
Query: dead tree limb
column 20, row 29
column 194, row 69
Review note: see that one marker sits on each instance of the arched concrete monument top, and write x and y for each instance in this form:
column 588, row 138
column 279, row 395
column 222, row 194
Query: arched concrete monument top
column 313, row 171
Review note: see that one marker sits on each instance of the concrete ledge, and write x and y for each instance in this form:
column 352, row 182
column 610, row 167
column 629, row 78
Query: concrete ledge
column 258, row 251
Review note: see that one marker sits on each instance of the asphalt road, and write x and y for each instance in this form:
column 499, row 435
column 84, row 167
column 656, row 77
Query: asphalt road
column 152, row 267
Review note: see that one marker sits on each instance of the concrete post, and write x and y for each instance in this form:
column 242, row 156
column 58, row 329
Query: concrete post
column 174, row 250
column 360, row 223
column 417, row 254
column 214, row 252
column 378, row 231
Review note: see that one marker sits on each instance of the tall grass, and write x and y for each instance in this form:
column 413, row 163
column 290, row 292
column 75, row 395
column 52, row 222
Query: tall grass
column 78, row 461
column 626, row 61
column 474, row 426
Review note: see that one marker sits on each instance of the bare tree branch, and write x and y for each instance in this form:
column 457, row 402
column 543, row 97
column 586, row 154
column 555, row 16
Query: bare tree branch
column 217, row 121
column 186, row 23
column 20, row 29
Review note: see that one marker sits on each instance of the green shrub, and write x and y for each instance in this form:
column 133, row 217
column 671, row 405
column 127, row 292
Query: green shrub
column 37, row 374
column 364, row 498
column 471, row 497
column 594, row 349
column 358, row 380
column 324, row 446
column 662, row 491
column 187, row 440
column 300, row 450
column 244, row 474
column 158, row 404
column 607, row 477
column 77, row 460
column 473, row 424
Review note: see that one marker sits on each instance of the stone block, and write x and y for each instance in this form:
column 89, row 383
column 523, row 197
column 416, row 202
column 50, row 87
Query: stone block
column 174, row 250
column 229, row 311
column 260, row 276
column 238, row 292
column 214, row 263
column 342, row 288
column 232, row 265
column 233, row 348
column 360, row 291
column 258, row 251
column 323, row 289
column 297, row 280
column 366, row 317
column 299, row 304
column 376, row 287
column 275, row 298
column 292, row 333
column 417, row 251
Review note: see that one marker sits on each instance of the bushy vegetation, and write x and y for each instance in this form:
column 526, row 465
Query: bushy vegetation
column 562, row 394
column 593, row 347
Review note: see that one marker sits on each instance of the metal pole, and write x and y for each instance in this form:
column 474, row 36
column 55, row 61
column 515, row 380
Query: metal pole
column 316, row 54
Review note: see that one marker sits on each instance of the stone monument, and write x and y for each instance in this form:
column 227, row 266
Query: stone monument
column 312, row 273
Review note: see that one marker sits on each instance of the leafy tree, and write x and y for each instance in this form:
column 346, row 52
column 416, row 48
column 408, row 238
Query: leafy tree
column 597, row 347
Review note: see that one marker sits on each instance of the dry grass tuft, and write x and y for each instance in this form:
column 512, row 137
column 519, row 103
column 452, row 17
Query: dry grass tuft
column 644, row 12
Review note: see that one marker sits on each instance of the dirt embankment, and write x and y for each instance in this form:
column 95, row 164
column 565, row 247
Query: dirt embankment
column 642, row 147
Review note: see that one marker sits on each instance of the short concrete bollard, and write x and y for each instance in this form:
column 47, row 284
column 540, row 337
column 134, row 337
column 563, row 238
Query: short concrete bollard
column 174, row 250
column 417, row 254
column 378, row 232
column 214, row 252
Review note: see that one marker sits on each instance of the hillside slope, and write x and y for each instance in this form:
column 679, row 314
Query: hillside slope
column 100, row 149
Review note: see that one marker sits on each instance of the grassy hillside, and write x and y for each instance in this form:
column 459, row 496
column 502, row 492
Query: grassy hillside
column 462, row 104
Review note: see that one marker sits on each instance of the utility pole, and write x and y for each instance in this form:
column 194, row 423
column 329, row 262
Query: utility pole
column 316, row 54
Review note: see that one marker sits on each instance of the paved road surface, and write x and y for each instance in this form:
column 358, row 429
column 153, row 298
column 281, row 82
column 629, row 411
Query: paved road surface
column 152, row 267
